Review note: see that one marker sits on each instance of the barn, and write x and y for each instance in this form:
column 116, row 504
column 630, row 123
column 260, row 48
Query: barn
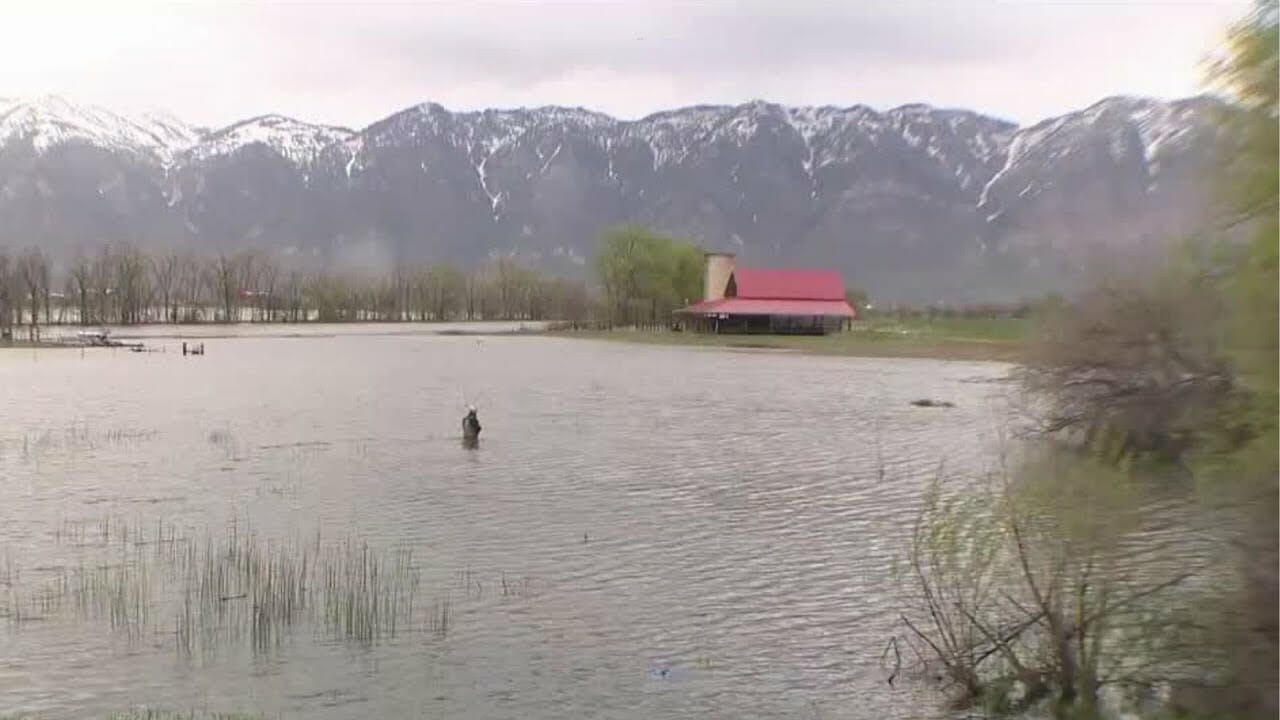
column 773, row 301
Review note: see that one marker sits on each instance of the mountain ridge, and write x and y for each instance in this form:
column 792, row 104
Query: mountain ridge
column 57, row 104
column 963, row 204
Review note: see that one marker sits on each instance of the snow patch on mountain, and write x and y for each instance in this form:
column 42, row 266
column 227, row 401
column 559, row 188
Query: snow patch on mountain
column 1125, row 124
column 670, row 135
column 49, row 121
column 296, row 141
column 353, row 149
column 570, row 117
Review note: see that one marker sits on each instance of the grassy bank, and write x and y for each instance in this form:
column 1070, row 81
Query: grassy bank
column 34, row 345
column 994, row 339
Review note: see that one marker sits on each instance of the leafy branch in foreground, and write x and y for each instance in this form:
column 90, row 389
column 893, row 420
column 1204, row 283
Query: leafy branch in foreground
column 1026, row 593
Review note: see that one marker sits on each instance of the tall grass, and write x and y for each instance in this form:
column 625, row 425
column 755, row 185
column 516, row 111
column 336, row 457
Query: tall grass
column 155, row 714
column 75, row 438
column 241, row 589
column 145, row 713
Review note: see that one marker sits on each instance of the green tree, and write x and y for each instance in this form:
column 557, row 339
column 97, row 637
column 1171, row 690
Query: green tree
column 445, row 287
column 1239, row 466
column 1250, row 183
column 858, row 300
column 646, row 275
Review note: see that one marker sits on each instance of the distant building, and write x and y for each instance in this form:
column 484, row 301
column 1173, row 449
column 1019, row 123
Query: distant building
column 742, row 300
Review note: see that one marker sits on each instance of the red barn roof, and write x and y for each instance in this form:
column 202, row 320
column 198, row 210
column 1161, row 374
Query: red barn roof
column 779, row 292
column 787, row 284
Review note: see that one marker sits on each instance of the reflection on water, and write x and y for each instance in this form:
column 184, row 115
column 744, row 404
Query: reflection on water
column 644, row 532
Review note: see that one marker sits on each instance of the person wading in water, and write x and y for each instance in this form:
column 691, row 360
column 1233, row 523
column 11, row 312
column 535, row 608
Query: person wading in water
column 470, row 428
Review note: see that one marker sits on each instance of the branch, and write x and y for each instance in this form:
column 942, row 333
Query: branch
column 1026, row 567
column 998, row 644
column 1014, row 602
column 897, row 658
column 942, row 656
column 1138, row 596
column 941, row 624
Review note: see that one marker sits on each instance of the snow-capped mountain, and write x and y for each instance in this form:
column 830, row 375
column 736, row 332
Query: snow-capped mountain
column 1124, row 172
column 912, row 203
column 1126, row 129
column 296, row 141
column 50, row 121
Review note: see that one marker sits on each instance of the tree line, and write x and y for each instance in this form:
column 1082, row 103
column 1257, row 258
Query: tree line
column 124, row 285
column 639, row 277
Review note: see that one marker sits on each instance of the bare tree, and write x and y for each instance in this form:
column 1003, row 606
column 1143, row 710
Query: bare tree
column 418, row 303
column 246, row 268
column 102, row 292
column 293, row 293
column 191, row 284
column 224, row 282
column 130, row 284
column 329, row 296
column 400, row 290
column 265, row 289
column 6, row 297
column 33, row 277
column 165, row 271
column 80, row 287
column 1133, row 364
column 569, row 302
column 506, row 277
column 474, row 293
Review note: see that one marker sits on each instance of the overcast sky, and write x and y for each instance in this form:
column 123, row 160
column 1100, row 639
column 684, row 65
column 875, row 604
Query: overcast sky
column 353, row 63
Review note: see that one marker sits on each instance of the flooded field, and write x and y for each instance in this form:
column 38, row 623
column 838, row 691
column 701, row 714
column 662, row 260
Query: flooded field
column 290, row 526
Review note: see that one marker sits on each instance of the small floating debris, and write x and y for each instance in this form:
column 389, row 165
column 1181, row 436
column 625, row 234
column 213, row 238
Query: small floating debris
column 102, row 338
column 671, row 672
column 926, row 402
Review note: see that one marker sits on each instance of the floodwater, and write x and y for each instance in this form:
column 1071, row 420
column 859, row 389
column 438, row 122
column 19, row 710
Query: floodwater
column 643, row 532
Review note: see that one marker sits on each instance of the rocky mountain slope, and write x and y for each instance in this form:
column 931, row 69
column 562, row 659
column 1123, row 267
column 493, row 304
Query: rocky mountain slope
column 915, row 203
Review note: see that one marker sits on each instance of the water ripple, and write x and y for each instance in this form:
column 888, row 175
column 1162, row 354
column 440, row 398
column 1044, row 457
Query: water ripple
column 731, row 517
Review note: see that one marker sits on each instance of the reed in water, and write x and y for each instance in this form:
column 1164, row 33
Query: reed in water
column 239, row 589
